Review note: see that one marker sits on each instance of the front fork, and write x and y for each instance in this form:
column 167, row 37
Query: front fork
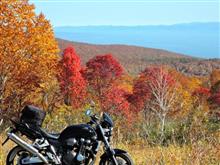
column 109, row 151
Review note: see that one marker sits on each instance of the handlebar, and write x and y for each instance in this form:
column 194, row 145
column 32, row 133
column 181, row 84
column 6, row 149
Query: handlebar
column 94, row 119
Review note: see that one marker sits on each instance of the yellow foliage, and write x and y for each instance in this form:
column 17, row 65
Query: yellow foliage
column 125, row 82
column 183, row 101
column 28, row 52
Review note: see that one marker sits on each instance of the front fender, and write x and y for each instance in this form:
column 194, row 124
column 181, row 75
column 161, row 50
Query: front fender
column 117, row 151
column 106, row 158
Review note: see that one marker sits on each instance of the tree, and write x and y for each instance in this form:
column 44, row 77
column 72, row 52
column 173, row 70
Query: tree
column 214, row 94
column 104, row 75
column 214, row 77
column 188, row 83
column 214, row 99
column 28, row 53
column 114, row 102
column 125, row 82
column 186, row 87
column 201, row 95
column 50, row 97
column 155, row 90
column 101, row 72
column 72, row 84
column 140, row 95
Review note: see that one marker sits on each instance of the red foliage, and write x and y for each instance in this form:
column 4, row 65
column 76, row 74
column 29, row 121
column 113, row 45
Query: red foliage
column 202, row 92
column 101, row 71
column 72, row 84
column 215, row 98
column 158, row 76
column 140, row 95
column 202, row 95
column 114, row 101
column 151, row 77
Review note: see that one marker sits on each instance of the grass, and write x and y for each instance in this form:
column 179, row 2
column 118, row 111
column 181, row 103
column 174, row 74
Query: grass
column 197, row 154
column 200, row 153
column 4, row 150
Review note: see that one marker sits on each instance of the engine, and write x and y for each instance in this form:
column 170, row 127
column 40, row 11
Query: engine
column 76, row 142
column 76, row 151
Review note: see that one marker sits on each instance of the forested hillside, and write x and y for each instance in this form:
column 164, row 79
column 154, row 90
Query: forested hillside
column 135, row 59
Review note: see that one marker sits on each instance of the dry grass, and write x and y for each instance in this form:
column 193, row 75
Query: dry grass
column 200, row 153
column 4, row 149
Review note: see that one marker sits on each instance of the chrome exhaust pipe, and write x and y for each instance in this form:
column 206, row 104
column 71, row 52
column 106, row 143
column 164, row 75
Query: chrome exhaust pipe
column 26, row 146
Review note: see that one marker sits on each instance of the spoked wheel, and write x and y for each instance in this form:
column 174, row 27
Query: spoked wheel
column 16, row 155
column 122, row 159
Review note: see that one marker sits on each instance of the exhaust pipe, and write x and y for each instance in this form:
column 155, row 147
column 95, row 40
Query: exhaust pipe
column 27, row 146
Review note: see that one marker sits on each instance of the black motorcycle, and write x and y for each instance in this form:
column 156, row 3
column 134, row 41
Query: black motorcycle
column 75, row 145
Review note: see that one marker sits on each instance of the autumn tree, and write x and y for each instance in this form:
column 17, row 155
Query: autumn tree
column 214, row 99
column 215, row 88
column 28, row 53
column 140, row 95
column 202, row 94
column 125, row 82
column 114, row 101
column 188, row 83
column 186, row 87
column 103, row 74
column 72, row 84
column 155, row 90
column 214, row 77
column 50, row 98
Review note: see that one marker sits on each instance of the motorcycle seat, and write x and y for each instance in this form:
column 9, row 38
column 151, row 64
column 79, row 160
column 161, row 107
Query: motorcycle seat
column 47, row 135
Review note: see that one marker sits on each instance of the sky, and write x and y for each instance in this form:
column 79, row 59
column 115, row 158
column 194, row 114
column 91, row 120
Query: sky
column 127, row 12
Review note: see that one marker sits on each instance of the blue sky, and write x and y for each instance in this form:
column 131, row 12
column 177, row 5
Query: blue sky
column 127, row 12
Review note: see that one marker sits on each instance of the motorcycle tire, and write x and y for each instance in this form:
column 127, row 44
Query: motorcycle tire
column 122, row 157
column 11, row 157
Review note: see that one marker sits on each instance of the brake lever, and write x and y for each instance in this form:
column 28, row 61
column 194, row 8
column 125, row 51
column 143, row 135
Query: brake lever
column 95, row 117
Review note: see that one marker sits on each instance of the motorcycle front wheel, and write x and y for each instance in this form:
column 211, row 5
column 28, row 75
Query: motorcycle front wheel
column 122, row 157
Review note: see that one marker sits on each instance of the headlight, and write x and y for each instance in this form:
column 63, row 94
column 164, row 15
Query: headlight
column 108, row 132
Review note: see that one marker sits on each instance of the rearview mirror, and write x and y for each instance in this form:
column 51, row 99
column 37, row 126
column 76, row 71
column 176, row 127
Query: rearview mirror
column 88, row 112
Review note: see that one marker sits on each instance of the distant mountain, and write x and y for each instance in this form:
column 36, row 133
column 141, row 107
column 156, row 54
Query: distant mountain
column 135, row 59
column 195, row 39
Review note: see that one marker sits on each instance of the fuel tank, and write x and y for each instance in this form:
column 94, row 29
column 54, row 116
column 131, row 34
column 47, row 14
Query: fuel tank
column 78, row 131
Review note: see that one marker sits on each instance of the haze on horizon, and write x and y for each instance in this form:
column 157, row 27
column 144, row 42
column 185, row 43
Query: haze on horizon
column 127, row 12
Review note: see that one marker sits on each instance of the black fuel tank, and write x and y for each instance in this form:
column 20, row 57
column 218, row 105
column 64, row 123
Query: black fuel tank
column 78, row 131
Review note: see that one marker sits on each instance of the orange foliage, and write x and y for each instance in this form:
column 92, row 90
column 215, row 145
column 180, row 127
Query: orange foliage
column 28, row 53
column 214, row 77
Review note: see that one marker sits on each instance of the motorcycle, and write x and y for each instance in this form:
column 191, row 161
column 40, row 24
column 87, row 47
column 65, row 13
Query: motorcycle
column 75, row 145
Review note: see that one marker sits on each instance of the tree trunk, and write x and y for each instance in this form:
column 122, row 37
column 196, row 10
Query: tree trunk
column 162, row 128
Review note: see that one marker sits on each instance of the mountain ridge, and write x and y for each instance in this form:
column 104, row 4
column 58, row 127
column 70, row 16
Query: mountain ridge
column 150, row 25
column 194, row 39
